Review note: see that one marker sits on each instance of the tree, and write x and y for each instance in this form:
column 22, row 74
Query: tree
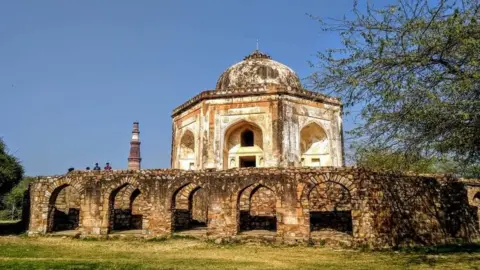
column 381, row 159
column 11, row 171
column 384, row 159
column 13, row 200
column 414, row 68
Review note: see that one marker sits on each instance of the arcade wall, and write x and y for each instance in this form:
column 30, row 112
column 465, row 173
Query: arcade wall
column 293, row 204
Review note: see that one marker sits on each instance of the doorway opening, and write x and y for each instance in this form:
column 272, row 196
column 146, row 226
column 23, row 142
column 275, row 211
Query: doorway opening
column 248, row 161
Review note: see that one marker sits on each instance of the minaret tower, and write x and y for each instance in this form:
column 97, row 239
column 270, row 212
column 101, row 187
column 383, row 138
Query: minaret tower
column 134, row 158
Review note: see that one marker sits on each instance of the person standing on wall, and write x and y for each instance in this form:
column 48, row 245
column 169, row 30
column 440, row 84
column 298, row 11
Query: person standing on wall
column 107, row 167
column 96, row 168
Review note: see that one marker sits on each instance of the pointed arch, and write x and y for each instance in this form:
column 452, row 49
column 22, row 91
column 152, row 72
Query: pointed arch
column 121, row 204
column 327, row 201
column 243, row 145
column 314, row 146
column 186, row 150
column 125, row 205
column 64, row 206
column 256, row 208
column 189, row 204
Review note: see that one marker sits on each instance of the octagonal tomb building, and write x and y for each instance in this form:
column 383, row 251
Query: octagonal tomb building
column 259, row 115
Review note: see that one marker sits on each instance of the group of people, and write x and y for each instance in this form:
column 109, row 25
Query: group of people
column 97, row 168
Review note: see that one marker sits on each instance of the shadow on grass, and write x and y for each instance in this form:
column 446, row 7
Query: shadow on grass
column 12, row 228
column 445, row 249
column 164, row 263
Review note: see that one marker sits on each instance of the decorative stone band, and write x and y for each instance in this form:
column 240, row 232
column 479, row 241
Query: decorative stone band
column 263, row 89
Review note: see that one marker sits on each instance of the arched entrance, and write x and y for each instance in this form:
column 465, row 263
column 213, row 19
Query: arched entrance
column 256, row 208
column 243, row 146
column 190, row 208
column 186, row 155
column 126, row 206
column 64, row 209
column 330, row 208
column 314, row 146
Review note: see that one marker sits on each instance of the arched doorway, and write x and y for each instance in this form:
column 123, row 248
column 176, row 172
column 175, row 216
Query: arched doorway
column 314, row 146
column 186, row 155
column 64, row 209
column 190, row 208
column 330, row 208
column 256, row 208
column 243, row 146
column 126, row 205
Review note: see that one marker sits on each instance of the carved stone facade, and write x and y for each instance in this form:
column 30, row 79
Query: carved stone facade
column 258, row 116
column 357, row 206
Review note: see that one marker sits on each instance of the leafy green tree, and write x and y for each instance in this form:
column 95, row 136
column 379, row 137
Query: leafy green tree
column 11, row 171
column 13, row 200
column 414, row 69
column 381, row 159
column 384, row 159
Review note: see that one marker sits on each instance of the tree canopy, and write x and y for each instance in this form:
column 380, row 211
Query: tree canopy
column 13, row 200
column 414, row 69
column 11, row 171
column 384, row 159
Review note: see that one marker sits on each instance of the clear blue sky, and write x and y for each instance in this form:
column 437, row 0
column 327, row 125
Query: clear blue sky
column 74, row 75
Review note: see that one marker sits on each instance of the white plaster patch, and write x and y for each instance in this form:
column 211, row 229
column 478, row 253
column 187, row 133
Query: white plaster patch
column 290, row 220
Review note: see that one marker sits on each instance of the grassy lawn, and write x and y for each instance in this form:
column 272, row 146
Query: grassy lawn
column 57, row 253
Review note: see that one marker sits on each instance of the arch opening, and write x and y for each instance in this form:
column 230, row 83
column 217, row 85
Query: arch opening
column 126, row 208
column 314, row 146
column 256, row 208
column 330, row 208
column 243, row 146
column 248, row 138
column 187, row 151
column 190, row 208
column 476, row 198
column 63, row 209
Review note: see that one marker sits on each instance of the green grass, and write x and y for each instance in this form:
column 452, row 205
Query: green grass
column 58, row 253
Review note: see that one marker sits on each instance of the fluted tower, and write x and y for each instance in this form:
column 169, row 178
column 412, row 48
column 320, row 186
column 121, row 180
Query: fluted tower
column 134, row 158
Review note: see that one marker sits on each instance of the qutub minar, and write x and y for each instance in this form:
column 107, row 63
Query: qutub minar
column 134, row 158
column 258, row 158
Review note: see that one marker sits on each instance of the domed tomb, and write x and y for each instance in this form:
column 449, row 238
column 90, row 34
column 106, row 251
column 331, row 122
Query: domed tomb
column 257, row 116
column 258, row 69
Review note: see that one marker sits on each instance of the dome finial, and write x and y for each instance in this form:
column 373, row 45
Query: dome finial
column 257, row 55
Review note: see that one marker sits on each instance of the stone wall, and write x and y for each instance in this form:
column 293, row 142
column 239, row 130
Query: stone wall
column 64, row 210
column 365, row 207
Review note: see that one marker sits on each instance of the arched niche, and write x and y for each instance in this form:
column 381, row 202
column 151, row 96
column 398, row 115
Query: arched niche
column 126, row 208
column 186, row 151
column 330, row 208
column 189, row 208
column 63, row 209
column 314, row 146
column 256, row 208
column 243, row 146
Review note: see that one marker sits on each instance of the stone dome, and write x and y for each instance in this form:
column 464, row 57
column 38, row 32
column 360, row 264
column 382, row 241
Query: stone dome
column 256, row 69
